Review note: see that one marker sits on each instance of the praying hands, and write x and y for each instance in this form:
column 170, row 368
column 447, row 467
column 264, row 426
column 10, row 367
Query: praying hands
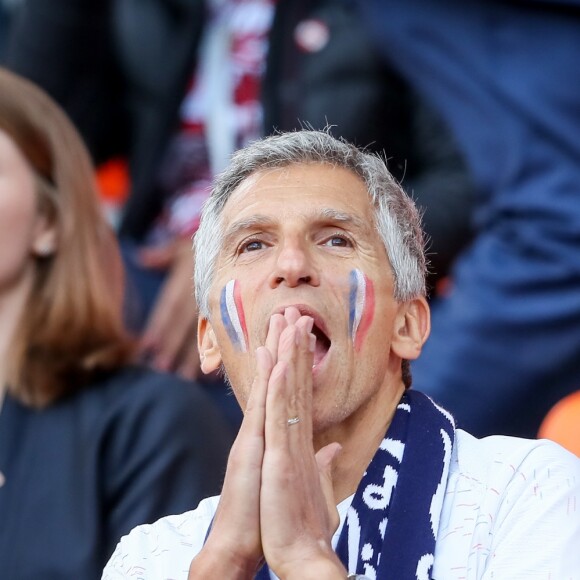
column 277, row 504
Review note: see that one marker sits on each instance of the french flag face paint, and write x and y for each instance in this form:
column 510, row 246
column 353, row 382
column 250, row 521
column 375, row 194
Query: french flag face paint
column 232, row 313
column 361, row 306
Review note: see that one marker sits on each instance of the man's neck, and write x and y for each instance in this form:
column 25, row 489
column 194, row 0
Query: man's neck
column 360, row 436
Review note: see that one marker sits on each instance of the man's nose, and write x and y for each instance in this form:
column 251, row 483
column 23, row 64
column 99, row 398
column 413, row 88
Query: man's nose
column 294, row 266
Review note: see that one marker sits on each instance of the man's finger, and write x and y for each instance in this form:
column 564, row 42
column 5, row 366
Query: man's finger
column 302, row 390
column 325, row 459
column 291, row 314
column 277, row 325
column 277, row 414
column 288, row 352
column 254, row 413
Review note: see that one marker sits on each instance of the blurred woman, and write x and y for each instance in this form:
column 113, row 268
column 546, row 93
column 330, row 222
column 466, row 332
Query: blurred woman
column 90, row 445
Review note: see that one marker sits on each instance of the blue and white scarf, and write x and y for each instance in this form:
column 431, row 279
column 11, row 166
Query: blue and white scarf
column 391, row 525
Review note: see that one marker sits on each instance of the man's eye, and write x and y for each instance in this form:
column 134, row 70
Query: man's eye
column 251, row 246
column 338, row 241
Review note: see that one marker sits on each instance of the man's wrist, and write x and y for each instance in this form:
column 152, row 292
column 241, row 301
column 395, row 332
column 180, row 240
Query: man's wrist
column 212, row 564
column 322, row 569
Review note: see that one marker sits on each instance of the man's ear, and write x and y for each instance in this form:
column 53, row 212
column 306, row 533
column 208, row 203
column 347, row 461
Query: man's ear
column 412, row 327
column 209, row 351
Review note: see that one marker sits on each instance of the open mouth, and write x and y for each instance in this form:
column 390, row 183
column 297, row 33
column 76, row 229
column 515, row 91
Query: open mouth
column 322, row 344
column 319, row 330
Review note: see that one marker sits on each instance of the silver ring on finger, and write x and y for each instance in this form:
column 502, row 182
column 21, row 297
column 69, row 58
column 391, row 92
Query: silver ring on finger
column 293, row 421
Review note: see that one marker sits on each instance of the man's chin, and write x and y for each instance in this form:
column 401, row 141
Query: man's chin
column 325, row 418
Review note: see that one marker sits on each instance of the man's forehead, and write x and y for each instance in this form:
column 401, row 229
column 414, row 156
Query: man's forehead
column 334, row 184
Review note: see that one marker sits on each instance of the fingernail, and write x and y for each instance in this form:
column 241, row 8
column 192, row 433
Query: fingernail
column 311, row 342
column 309, row 325
column 297, row 336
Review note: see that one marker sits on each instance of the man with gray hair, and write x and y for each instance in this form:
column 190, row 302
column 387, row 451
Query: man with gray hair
column 310, row 283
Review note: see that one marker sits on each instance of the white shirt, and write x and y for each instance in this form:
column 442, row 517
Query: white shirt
column 511, row 512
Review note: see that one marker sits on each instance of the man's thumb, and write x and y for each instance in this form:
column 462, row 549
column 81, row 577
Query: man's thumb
column 325, row 457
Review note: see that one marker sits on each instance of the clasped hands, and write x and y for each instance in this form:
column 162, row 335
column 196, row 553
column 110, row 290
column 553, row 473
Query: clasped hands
column 277, row 504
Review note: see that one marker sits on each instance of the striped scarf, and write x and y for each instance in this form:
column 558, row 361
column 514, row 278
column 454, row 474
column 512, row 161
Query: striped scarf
column 391, row 525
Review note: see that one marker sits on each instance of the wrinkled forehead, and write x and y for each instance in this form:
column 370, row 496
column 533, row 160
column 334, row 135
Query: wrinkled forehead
column 298, row 186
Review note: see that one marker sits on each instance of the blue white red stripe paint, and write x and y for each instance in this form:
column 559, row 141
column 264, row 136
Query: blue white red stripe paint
column 356, row 300
column 361, row 306
column 232, row 313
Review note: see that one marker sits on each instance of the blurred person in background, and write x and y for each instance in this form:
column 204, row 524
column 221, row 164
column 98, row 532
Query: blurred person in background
column 505, row 344
column 90, row 445
column 4, row 24
column 7, row 8
column 176, row 86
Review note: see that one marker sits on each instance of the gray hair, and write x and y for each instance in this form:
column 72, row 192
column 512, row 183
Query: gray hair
column 398, row 221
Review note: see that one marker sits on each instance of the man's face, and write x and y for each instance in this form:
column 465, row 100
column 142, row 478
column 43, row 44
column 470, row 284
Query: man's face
column 304, row 236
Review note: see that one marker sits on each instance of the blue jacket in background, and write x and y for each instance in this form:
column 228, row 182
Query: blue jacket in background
column 505, row 345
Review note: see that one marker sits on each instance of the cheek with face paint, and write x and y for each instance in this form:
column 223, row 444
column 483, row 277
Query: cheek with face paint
column 232, row 313
column 361, row 305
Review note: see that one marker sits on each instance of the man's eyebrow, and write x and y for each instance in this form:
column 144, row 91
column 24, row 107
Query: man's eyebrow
column 333, row 215
column 253, row 222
